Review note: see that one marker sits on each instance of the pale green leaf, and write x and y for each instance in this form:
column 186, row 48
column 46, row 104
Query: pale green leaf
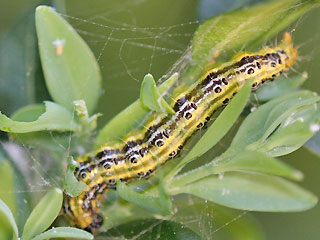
column 70, row 68
column 251, row 192
column 43, row 215
column 64, row 232
column 9, row 222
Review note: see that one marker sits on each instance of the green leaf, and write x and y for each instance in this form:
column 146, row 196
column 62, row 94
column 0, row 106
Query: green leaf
column 43, row 214
column 71, row 185
column 158, row 205
column 248, row 161
column 55, row 118
column 7, row 187
column 156, row 229
column 220, row 126
column 129, row 117
column 270, row 118
column 280, row 87
column 70, row 68
column 7, row 217
column 257, row 162
column 64, row 232
column 286, row 140
column 245, row 27
column 251, row 192
column 151, row 98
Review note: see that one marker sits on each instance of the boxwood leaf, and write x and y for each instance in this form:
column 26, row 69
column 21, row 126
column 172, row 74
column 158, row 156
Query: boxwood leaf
column 286, row 140
column 7, row 187
column 43, row 215
column 70, row 68
column 254, row 161
column 7, row 221
column 272, row 117
column 251, row 192
column 64, row 232
column 247, row 161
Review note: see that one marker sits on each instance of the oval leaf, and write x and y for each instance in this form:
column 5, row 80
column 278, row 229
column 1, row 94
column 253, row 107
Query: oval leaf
column 261, row 123
column 249, row 161
column 287, row 139
column 252, row 192
column 43, row 215
column 64, row 232
column 70, row 68
column 257, row 162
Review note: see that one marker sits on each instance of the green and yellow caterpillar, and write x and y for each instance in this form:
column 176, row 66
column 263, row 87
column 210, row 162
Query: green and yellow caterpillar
column 163, row 135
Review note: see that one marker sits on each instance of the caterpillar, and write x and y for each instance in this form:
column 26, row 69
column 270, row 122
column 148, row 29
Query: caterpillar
column 163, row 135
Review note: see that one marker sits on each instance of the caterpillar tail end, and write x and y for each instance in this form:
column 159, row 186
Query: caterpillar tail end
column 87, row 219
column 287, row 45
